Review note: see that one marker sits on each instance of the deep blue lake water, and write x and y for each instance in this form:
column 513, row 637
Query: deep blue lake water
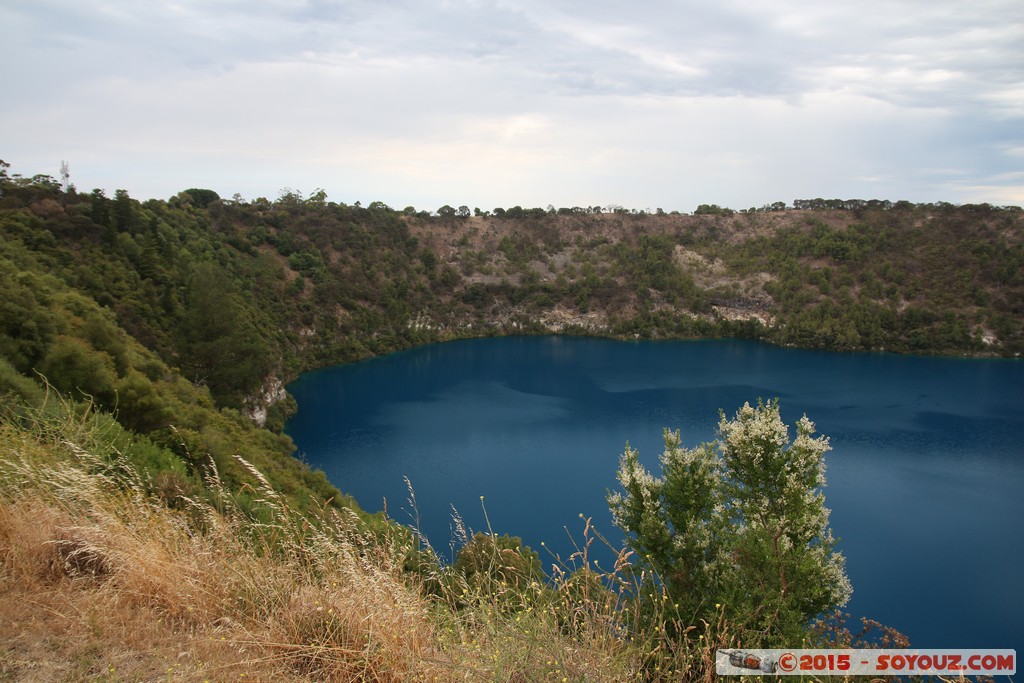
column 925, row 479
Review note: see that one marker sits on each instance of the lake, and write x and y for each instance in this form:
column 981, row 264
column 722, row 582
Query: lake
column 925, row 479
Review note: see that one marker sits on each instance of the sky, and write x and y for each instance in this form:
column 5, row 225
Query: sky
column 487, row 103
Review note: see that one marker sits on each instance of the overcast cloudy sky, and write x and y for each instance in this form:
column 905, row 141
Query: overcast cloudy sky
column 646, row 104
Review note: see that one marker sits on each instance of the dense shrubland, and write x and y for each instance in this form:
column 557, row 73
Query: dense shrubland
column 139, row 341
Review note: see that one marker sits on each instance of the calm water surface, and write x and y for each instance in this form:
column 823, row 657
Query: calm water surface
column 925, row 480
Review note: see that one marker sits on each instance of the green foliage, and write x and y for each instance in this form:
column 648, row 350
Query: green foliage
column 740, row 522
column 77, row 368
column 16, row 388
column 221, row 345
column 140, row 404
column 308, row 263
column 712, row 210
column 493, row 564
column 122, row 212
column 26, row 324
column 80, row 427
column 201, row 198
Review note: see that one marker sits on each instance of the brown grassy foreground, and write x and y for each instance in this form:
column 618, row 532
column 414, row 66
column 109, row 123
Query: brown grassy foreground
column 100, row 579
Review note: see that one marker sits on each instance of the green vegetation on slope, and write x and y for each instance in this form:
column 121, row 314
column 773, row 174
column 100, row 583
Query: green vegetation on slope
column 72, row 315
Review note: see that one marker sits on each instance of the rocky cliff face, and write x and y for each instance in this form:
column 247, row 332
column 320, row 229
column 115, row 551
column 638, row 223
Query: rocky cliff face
column 272, row 392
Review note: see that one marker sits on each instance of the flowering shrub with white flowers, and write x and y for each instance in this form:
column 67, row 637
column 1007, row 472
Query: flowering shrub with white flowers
column 738, row 524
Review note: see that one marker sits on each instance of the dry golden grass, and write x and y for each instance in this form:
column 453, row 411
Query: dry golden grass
column 99, row 556
column 99, row 580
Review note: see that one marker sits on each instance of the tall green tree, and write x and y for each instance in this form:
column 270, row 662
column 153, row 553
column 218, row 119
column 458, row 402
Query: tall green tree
column 122, row 212
column 739, row 522
column 220, row 342
column 99, row 209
